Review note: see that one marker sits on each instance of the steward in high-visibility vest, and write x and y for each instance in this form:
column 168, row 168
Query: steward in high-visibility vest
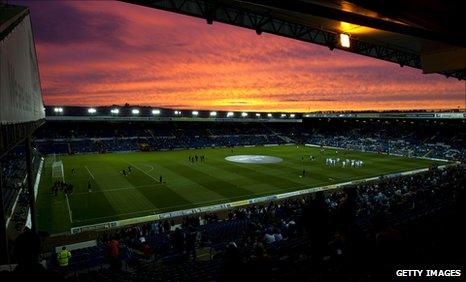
column 63, row 257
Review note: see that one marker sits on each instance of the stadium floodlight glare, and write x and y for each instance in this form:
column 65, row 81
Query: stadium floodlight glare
column 58, row 110
column 292, row 115
column 156, row 112
column 135, row 111
column 244, row 114
column 258, row 115
column 230, row 114
column 177, row 112
column 269, row 115
column 91, row 110
column 283, row 115
column 345, row 40
column 115, row 111
column 213, row 114
column 195, row 113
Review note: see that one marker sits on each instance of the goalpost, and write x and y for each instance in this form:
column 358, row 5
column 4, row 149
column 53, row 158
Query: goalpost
column 57, row 171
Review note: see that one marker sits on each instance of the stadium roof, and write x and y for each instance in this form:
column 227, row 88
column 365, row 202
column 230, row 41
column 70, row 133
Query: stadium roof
column 9, row 17
column 21, row 108
column 424, row 34
column 10, row 11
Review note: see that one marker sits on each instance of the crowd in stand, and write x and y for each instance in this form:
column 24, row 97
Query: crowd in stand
column 410, row 138
column 419, row 138
column 355, row 234
column 13, row 177
column 322, row 236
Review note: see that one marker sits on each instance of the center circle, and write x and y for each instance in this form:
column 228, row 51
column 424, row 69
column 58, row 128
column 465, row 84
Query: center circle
column 253, row 159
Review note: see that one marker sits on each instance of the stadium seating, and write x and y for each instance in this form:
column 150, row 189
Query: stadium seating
column 13, row 168
column 321, row 236
column 435, row 140
column 283, row 235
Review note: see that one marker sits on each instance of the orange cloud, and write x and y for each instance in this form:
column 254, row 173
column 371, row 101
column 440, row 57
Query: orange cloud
column 102, row 53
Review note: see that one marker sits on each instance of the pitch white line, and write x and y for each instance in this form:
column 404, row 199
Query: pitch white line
column 90, row 172
column 151, row 167
column 105, row 190
column 156, row 180
column 69, row 209
column 183, row 205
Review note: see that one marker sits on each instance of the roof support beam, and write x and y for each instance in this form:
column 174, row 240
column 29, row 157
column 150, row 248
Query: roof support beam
column 264, row 21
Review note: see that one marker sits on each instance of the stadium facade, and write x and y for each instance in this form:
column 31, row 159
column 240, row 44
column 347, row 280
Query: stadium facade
column 21, row 108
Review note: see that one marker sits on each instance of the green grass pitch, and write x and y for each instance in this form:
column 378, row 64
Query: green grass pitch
column 188, row 185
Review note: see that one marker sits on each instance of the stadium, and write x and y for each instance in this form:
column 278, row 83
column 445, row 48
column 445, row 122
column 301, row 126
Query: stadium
column 137, row 192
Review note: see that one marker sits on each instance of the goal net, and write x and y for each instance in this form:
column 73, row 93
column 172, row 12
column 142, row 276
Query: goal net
column 57, row 170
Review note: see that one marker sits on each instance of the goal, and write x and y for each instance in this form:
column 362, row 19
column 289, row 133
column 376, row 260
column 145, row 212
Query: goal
column 57, row 170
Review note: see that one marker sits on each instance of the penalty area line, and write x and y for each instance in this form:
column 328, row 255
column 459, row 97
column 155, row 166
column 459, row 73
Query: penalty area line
column 90, row 172
column 151, row 168
column 156, row 180
column 69, row 208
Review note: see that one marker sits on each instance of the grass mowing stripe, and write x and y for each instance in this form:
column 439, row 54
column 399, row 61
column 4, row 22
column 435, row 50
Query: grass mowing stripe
column 105, row 189
column 177, row 207
column 272, row 180
column 115, row 196
column 216, row 184
column 161, row 195
column 188, row 188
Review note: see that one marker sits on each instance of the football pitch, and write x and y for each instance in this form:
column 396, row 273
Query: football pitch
column 185, row 184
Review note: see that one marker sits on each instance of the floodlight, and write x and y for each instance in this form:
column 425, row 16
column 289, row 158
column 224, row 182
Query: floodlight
column 230, row 114
column 213, row 114
column 177, row 112
column 114, row 111
column 345, row 40
column 195, row 113
column 156, row 112
column 258, row 115
column 58, row 110
column 91, row 110
column 244, row 114
column 269, row 115
column 283, row 115
column 292, row 115
column 135, row 111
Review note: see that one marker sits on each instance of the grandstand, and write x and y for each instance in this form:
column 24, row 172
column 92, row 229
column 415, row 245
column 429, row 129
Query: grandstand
column 168, row 142
column 146, row 193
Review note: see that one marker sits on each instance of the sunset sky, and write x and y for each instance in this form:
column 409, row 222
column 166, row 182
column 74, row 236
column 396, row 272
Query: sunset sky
column 103, row 53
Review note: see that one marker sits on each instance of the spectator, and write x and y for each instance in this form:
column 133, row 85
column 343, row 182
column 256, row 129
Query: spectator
column 269, row 238
column 26, row 251
column 178, row 237
column 232, row 262
column 191, row 243
column 63, row 259
column 114, row 253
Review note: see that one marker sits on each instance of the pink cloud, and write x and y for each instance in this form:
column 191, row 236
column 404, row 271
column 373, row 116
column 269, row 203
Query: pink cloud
column 127, row 53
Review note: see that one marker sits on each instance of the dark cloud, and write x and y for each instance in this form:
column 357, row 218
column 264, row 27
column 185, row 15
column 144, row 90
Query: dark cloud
column 62, row 23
